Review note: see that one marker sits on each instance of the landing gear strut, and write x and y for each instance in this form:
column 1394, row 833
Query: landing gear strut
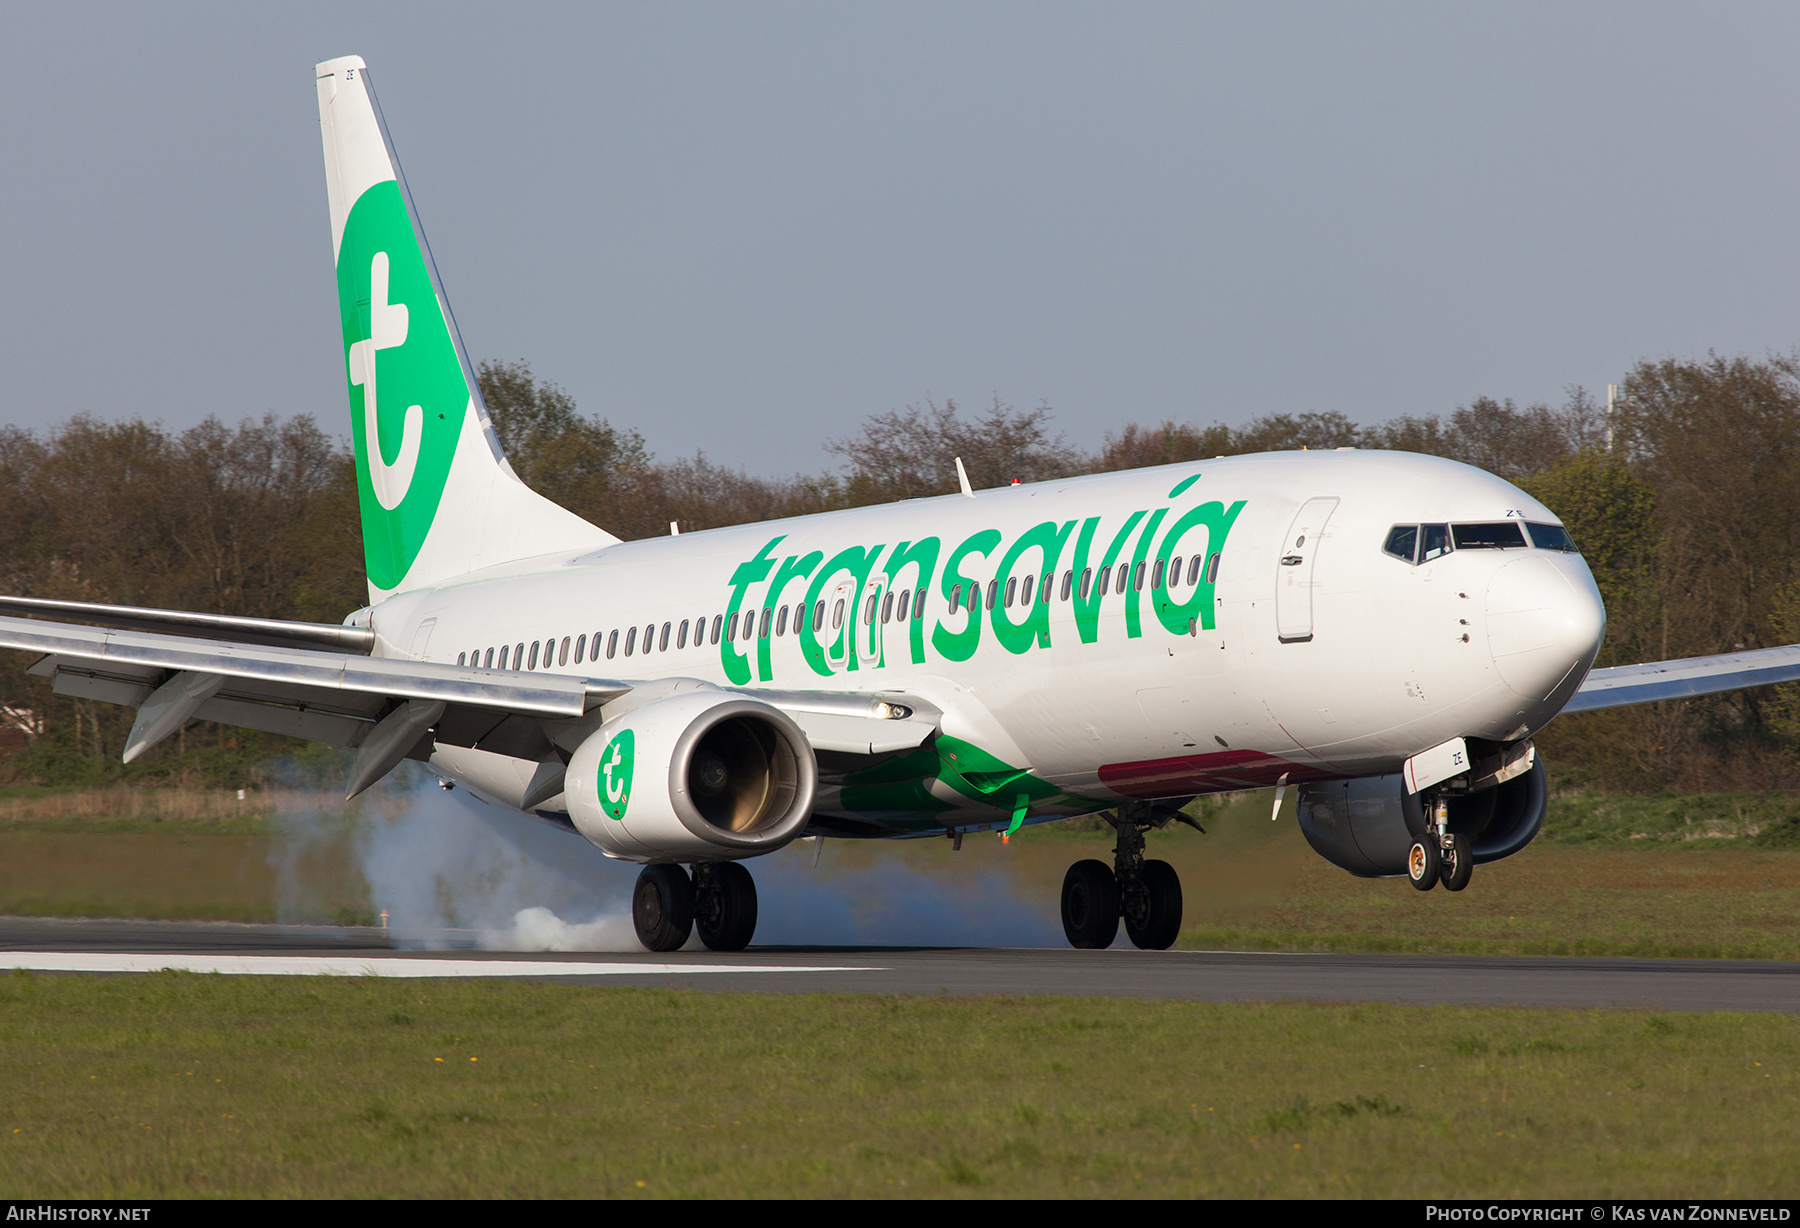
column 1147, row 894
column 1440, row 855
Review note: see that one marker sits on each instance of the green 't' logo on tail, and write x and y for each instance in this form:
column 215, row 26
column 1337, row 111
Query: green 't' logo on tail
column 408, row 398
column 616, row 762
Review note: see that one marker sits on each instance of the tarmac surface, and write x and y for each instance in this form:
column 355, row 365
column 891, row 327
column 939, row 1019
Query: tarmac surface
column 123, row 946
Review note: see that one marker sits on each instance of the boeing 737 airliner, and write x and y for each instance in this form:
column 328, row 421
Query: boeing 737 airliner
column 1379, row 631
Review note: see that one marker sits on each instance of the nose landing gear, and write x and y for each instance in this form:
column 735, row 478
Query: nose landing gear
column 1440, row 855
column 1146, row 893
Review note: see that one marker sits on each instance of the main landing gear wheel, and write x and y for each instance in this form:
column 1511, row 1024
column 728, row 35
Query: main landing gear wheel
column 1456, row 863
column 1153, row 911
column 724, row 905
column 1423, row 863
column 1090, row 905
column 662, row 907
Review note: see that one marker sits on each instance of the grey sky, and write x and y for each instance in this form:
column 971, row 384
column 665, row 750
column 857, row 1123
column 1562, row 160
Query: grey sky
column 743, row 228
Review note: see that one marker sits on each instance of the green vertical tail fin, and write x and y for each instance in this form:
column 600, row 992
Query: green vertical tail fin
column 437, row 496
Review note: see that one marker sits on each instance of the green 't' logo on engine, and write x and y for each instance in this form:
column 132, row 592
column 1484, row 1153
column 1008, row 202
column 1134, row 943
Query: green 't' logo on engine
column 408, row 397
column 615, row 774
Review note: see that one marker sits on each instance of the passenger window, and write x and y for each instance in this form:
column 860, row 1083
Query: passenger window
column 819, row 617
column 580, row 644
column 1124, row 575
column 1105, row 580
column 919, row 605
column 1212, row 568
column 460, row 656
column 518, row 656
column 781, row 622
column 612, row 645
column 1501, row 535
column 1044, row 592
column 1175, row 572
column 1087, row 574
column 887, row 607
column 490, row 661
column 1137, row 578
column 630, row 640
column 1552, row 537
column 1194, row 571
column 750, row 626
column 715, row 627
column 1156, row 577
column 681, row 635
column 1434, row 542
column 955, row 599
column 869, row 611
column 663, row 644
column 534, row 652
column 731, row 631
column 799, row 616
column 768, row 620
column 1403, row 542
column 1068, row 583
column 905, row 605
column 1012, row 586
column 562, row 656
column 837, row 614
column 993, row 592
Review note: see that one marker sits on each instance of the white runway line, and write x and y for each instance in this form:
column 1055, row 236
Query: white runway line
column 326, row 965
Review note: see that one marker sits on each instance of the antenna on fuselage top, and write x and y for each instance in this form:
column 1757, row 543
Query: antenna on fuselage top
column 962, row 477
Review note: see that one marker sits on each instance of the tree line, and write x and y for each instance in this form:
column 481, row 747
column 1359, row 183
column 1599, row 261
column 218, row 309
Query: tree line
column 1685, row 502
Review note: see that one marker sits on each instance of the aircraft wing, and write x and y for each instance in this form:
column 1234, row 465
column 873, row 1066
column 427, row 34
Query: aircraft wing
column 1620, row 685
column 385, row 706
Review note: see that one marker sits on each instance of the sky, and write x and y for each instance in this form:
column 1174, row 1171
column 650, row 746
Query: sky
column 743, row 228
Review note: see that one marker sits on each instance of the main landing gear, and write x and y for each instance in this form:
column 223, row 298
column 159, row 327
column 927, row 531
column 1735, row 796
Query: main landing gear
column 1440, row 855
column 718, row 899
column 1146, row 894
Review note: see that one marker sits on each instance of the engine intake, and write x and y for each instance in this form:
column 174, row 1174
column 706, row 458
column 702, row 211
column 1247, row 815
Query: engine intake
column 1367, row 825
column 703, row 776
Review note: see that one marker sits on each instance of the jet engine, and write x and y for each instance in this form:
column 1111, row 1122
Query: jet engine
column 703, row 776
column 1367, row 825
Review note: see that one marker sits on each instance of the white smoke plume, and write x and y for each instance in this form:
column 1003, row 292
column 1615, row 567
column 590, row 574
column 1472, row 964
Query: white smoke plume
column 452, row 871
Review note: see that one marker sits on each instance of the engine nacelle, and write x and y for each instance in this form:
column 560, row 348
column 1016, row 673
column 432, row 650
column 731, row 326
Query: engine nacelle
column 1367, row 825
column 704, row 776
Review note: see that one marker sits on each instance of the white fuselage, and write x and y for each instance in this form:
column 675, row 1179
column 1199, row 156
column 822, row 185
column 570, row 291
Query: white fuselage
column 1311, row 654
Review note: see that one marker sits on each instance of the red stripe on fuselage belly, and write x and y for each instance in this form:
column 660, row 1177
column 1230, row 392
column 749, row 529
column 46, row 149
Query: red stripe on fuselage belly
column 1219, row 772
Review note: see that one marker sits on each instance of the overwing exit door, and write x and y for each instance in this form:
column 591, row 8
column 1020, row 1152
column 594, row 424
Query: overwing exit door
column 1294, row 572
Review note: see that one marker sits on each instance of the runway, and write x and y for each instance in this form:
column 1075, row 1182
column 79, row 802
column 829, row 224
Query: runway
column 52, row 945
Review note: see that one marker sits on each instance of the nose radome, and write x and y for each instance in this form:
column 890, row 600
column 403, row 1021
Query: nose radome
column 1545, row 622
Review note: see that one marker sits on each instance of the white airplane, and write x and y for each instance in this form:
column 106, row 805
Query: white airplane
column 1382, row 632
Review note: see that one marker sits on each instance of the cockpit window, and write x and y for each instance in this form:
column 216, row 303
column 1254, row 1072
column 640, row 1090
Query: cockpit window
column 1435, row 541
column 1402, row 542
column 1551, row 537
column 1500, row 535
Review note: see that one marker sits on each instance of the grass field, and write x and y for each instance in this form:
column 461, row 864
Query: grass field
column 1713, row 876
column 176, row 1085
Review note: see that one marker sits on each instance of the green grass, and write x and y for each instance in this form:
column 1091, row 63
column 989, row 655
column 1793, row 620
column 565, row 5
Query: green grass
column 176, row 1085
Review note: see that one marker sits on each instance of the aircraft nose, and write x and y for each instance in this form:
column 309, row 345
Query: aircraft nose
column 1545, row 623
